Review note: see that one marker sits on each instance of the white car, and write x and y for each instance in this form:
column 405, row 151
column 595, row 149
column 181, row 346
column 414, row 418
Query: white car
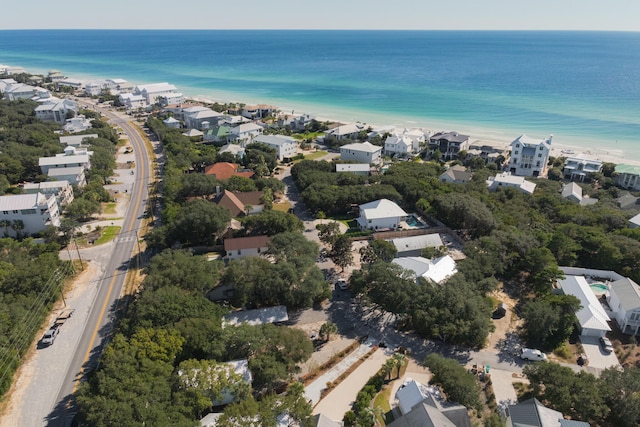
column 342, row 284
column 532, row 354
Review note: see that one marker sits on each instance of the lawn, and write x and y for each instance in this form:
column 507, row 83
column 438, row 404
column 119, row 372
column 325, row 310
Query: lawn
column 108, row 234
column 282, row 207
column 315, row 155
column 382, row 401
column 109, row 208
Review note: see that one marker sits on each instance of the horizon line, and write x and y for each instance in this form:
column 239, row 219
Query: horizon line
column 521, row 30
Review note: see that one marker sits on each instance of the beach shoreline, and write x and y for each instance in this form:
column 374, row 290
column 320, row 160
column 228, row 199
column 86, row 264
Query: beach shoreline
column 498, row 138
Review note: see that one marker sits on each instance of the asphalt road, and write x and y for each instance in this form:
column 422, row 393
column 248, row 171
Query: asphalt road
column 99, row 322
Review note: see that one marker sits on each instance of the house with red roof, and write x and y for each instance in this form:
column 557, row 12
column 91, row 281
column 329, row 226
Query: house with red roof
column 225, row 170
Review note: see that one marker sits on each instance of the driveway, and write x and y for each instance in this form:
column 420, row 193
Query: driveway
column 340, row 399
column 598, row 358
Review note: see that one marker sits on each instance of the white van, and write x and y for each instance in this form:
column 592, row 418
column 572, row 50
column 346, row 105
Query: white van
column 532, row 354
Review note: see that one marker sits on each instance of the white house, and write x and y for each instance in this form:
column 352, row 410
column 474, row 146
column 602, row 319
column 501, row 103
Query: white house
column 77, row 124
column 64, row 161
column 413, row 245
column 234, row 149
column 380, row 214
column 505, row 180
column 361, row 152
column 577, row 168
column 240, row 247
column 244, row 133
column 529, row 157
column 348, row 131
column 71, row 82
column 624, row 300
column 118, row 86
column 635, row 221
column 259, row 111
column 170, row 98
column 77, row 140
column 628, row 177
column 286, row 147
column 573, row 192
column 132, row 101
column 363, row 169
column 94, row 87
column 34, row 212
column 62, row 190
column 437, row 270
column 260, row 316
column 401, row 145
column 196, row 117
column 171, row 122
column 592, row 317
column 14, row 91
column 74, row 174
column 194, row 379
column 154, row 91
column 56, row 111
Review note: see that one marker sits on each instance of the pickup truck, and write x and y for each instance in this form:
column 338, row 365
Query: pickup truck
column 51, row 334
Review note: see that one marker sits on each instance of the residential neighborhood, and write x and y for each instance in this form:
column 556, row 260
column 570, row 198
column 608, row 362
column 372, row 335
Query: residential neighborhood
column 338, row 274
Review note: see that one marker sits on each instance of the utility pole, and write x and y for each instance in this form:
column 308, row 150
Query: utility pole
column 139, row 249
column 78, row 250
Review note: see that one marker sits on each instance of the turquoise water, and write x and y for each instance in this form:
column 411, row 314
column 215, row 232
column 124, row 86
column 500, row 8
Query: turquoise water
column 582, row 87
column 598, row 287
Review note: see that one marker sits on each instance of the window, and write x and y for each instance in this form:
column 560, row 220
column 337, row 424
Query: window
column 517, row 145
column 541, row 148
column 516, row 153
column 537, row 164
column 540, row 155
column 239, row 252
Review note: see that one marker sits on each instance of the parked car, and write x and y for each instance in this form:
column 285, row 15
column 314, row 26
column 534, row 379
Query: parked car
column 342, row 284
column 606, row 345
column 50, row 336
column 532, row 354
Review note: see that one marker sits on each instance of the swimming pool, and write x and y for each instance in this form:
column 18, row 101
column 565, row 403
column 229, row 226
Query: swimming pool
column 598, row 287
column 414, row 221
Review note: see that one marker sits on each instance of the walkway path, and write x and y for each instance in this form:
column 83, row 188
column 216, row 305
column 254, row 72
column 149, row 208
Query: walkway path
column 313, row 391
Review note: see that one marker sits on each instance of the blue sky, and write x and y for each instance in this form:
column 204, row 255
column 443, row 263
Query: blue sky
column 619, row 15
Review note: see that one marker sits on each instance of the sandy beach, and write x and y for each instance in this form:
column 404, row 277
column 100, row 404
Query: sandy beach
column 607, row 154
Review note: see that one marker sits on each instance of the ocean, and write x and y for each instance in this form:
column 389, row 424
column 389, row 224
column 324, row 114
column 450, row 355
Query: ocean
column 582, row 87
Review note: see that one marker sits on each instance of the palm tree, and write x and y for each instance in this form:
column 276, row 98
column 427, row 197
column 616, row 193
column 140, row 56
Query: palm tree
column 327, row 329
column 387, row 368
column 398, row 361
column 369, row 417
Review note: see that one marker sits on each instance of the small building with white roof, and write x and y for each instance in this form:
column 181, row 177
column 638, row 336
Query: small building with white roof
column 172, row 123
column 77, row 140
column 234, row 149
column 506, row 180
column 635, row 221
column 363, row 169
column 592, row 317
column 413, row 245
column 361, row 152
column 380, row 214
column 436, row 270
column 260, row 316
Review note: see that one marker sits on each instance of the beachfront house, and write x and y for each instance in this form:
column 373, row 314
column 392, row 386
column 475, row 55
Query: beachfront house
column 529, row 157
column 380, row 214
column 348, row 131
column 456, row 174
column 240, row 247
column 26, row 214
column 449, row 144
column 361, row 152
column 131, row 101
column 70, row 82
column 286, row 147
column 94, row 87
column 118, row 86
column 56, row 111
column 628, row 177
column 294, row 121
column 624, row 300
column 436, row 270
column 401, row 146
column 592, row 318
column 154, row 91
column 506, row 180
column 253, row 112
column 200, row 118
column 55, row 76
column 577, row 168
